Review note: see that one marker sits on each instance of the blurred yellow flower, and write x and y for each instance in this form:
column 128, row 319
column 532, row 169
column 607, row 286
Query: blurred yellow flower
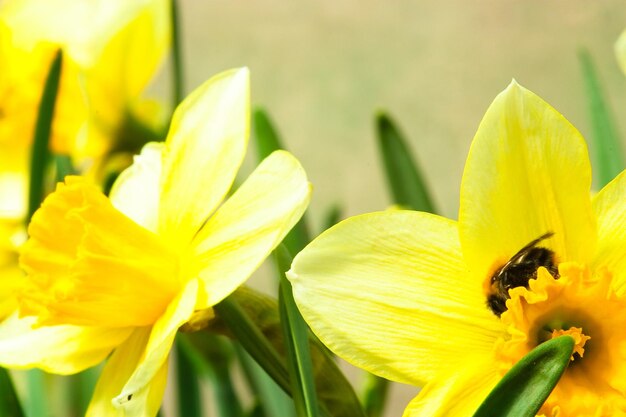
column 126, row 273
column 111, row 51
column 412, row 296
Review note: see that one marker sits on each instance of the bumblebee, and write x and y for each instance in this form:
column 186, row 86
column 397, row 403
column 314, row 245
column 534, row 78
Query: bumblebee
column 521, row 268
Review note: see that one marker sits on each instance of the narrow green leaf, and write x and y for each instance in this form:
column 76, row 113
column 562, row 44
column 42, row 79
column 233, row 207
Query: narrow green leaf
column 334, row 391
column 403, row 175
column 527, row 385
column 606, row 145
column 296, row 336
column 177, row 59
column 64, row 167
column 37, row 404
column 268, row 141
column 333, row 216
column 40, row 155
column 81, row 388
column 9, row 402
column 270, row 397
column 375, row 395
column 188, row 386
column 253, row 341
column 212, row 355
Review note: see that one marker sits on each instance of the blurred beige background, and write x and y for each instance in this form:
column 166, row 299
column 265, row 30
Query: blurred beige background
column 323, row 68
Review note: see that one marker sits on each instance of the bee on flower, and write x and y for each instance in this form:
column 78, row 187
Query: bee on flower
column 410, row 296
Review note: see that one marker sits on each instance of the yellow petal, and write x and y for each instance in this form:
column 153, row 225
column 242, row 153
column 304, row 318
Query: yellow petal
column 527, row 173
column 158, row 346
column 610, row 208
column 389, row 293
column 131, row 55
column 136, row 191
column 620, row 51
column 55, row 349
column 458, row 392
column 82, row 28
column 204, row 150
column 120, row 366
column 87, row 263
column 249, row 225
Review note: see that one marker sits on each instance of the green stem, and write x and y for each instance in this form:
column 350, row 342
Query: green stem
column 177, row 68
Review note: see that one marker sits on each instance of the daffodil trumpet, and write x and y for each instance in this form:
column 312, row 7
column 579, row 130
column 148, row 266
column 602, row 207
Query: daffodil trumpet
column 118, row 276
column 404, row 294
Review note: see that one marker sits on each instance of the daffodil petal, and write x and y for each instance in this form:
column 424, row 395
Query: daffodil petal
column 204, row 150
column 118, row 369
column 389, row 293
column 159, row 344
column 250, row 224
column 610, row 208
column 457, row 392
column 83, row 29
column 136, row 191
column 527, row 174
column 55, row 349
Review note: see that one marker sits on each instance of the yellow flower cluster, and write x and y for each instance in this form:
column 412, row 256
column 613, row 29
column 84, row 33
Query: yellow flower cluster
column 446, row 305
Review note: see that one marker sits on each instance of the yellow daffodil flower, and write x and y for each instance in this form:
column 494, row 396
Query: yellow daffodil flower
column 111, row 51
column 410, row 296
column 124, row 274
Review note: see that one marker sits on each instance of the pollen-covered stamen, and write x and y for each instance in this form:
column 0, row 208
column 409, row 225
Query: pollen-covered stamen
column 579, row 339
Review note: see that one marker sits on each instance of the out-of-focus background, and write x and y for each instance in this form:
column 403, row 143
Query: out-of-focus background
column 323, row 68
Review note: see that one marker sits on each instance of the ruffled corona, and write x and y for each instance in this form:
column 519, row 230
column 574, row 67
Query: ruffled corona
column 580, row 303
column 85, row 259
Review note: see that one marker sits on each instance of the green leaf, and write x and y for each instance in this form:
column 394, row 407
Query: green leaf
column 403, row 175
column 296, row 336
column 188, row 386
column 212, row 355
column 81, row 388
column 9, row 402
column 40, row 155
column 252, row 340
column 64, row 167
column 37, row 394
column 606, row 145
column 375, row 395
column 527, row 385
column 334, row 391
column 332, row 217
column 270, row 397
column 177, row 60
column 268, row 141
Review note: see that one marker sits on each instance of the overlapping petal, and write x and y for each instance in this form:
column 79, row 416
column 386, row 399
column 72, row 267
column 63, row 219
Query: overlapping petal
column 389, row 292
column 527, row 173
column 249, row 225
column 609, row 206
column 120, row 366
column 159, row 344
column 58, row 349
column 204, row 149
column 456, row 392
column 137, row 190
